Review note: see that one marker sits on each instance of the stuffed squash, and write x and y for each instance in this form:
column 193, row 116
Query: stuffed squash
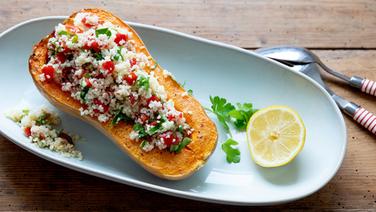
column 95, row 67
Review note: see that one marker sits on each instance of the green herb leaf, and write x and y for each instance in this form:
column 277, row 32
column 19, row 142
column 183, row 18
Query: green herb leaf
column 98, row 55
column 180, row 129
column 83, row 93
column 174, row 148
column 63, row 33
column 87, row 75
column 143, row 82
column 154, row 129
column 74, row 39
column 190, row 92
column 221, row 108
column 42, row 120
column 140, row 129
column 241, row 115
column 104, row 31
column 184, row 143
column 144, row 143
column 119, row 116
column 119, row 53
column 232, row 154
column 177, row 148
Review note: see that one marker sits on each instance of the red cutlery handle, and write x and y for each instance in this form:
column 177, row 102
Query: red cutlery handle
column 366, row 119
column 369, row 86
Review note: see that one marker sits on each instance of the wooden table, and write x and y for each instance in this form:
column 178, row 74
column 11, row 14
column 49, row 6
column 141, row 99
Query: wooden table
column 341, row 32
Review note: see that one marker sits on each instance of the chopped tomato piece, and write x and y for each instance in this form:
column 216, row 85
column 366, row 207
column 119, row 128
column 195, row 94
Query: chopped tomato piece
column 93, row 46
column 144, row 118
column 170, row 117
column 66, row 72
column 133, row 62
column 86, row 23
column 27, row 131
column 42, row 136
column 132, row 99
column 61, row 57
column 66, row 49
column 88, row 83
column 130, row 78
column 49, row 73
column 121, row 39
column 105, row 108
column 169, row 138
column 108, row 66
column 99, row 103
column 100, row 76
column 152, row 98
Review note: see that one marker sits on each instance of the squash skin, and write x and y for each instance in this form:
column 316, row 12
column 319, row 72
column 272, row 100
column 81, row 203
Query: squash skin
column 161, row 163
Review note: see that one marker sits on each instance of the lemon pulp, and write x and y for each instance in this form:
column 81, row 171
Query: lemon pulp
column 276, row 135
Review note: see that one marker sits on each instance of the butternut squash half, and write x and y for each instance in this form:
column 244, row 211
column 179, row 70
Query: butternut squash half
column 162, row 163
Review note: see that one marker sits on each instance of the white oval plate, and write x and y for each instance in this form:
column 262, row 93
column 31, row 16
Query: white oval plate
column 209, row 68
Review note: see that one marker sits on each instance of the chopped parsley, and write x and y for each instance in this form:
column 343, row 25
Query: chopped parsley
column 154, row 129
column 177, row 148
column 103, row 31
column 143, row 82
column 140, row 130
column 75, row 39
column 83, row 93
column 119, row 116
column 42, row 120
column 144, row 143
column 63, row 33
column 98, row 55
column 118, row 55
column 180, row 129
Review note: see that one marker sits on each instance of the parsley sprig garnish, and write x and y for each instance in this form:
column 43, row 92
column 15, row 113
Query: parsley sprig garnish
column 227, row 113
column 221, row 108
column 232, row 154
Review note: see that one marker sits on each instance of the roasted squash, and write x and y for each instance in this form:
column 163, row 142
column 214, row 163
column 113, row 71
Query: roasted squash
column 162, row 163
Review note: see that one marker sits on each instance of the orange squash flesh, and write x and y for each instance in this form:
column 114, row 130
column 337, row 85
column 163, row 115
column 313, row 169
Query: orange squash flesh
column 161, row 163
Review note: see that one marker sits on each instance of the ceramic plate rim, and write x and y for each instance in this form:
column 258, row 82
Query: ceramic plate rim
column 170, row 191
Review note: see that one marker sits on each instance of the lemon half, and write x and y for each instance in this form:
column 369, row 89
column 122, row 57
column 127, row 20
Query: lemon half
column 276, row 135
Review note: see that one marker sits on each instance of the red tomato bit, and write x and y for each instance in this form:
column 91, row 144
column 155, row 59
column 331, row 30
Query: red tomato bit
column 133, row 62
column 169, row 138
column 121, row 39
column 152, row 98
column 49, row 73
column 27, row 131
column 108, row 66
column 130, row 78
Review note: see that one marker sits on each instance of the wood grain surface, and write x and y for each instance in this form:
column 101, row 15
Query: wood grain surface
column 342, row 33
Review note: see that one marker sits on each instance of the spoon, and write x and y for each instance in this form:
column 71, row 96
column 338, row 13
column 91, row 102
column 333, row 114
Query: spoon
column 302, row 60
column 301, row 56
